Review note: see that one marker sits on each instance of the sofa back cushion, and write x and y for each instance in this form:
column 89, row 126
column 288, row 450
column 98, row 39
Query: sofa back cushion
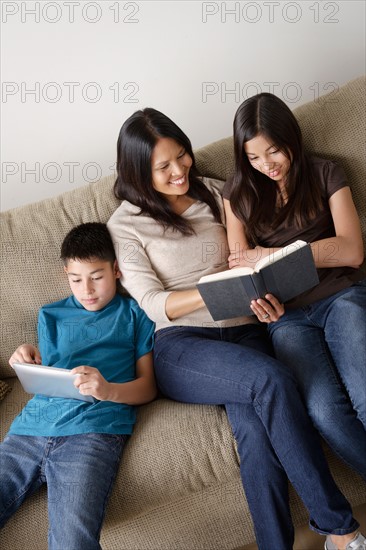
column 31, row 272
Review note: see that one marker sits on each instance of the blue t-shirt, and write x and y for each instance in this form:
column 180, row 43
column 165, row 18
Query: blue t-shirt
column 112, row 340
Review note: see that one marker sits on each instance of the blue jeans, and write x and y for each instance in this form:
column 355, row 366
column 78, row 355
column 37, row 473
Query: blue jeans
column 79, row 471
column 324, row 344
column 274, row 434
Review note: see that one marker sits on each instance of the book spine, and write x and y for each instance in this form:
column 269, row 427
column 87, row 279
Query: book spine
column 269, row 283
column 249, row 286
column 259, row 285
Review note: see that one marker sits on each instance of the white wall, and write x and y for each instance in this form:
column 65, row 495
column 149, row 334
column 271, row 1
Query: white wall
column 195, row 61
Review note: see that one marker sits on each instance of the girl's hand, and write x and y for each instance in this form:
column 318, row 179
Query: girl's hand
column 91, row 382
column 247, row 257
column 26, row 353
column 268, row 310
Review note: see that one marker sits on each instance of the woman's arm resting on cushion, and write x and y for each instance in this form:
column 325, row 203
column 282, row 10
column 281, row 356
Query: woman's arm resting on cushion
column 183, row 302
column 346, row 248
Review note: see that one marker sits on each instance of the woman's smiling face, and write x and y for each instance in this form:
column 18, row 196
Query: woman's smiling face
column 170, row 165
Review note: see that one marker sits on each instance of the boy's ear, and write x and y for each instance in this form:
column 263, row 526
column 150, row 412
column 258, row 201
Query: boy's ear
column 117, row 270
column 65, row 268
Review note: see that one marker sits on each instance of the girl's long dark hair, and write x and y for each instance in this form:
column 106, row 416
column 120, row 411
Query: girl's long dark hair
column 253, row 199
column 136, row 141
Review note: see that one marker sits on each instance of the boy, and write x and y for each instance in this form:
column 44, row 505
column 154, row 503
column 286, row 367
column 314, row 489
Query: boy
column 75, row 446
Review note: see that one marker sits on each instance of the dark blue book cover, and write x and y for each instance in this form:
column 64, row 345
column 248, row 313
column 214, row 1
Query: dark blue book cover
column 290, row 274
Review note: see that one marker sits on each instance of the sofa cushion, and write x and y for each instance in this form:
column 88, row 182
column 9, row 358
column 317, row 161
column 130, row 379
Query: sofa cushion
column 180, row 460
column 179, row 468
column 4, row 389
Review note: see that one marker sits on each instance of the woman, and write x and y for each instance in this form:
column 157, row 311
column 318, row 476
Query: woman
column 278, row 195
column 169, row 232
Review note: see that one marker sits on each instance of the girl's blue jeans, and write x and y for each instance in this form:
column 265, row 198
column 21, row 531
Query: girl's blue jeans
column 274, row 435
column 79, row 471
column 324, row 344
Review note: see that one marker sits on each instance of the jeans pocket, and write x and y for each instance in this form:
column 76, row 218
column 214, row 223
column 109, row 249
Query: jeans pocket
column 169, row 331
column 165, row 338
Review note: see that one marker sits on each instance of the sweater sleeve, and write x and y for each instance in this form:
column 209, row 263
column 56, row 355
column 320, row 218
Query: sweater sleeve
column 138, row 275
column 144, row 331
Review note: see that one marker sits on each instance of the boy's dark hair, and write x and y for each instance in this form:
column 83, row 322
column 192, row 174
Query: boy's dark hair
column 87, row 241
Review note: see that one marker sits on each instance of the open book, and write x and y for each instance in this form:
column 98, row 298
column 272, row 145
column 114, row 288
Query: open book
column 285, row 274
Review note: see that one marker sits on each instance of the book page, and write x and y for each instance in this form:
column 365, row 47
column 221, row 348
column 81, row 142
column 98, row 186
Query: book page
column 227, row 274
column 279, row 254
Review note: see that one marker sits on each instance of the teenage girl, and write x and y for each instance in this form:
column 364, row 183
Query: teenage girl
column 279, row 194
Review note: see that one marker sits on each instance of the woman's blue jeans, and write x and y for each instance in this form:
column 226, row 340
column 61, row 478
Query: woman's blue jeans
column 324, row 344
column 274, row 434
column 79, row 471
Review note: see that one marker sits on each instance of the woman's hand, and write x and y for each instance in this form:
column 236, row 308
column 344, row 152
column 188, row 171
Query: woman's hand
column 91, row 382
column 268, row 310
column 26, row 353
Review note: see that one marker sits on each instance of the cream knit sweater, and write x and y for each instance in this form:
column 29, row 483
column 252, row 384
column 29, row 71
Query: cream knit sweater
column 155, row 262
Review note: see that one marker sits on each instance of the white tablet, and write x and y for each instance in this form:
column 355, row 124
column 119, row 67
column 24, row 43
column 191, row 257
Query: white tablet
column 49, row 381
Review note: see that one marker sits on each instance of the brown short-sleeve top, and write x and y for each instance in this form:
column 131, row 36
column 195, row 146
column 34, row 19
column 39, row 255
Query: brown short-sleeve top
column 331, row 178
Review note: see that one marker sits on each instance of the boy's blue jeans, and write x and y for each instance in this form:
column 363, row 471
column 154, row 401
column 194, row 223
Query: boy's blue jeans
column 324, row 344
column 79, row 471
column 274, row 434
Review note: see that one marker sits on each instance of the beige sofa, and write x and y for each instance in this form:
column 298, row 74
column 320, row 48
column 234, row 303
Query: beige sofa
column 178, row 486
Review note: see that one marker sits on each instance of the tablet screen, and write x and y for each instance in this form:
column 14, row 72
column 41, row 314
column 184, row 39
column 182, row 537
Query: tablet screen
column 49, row 381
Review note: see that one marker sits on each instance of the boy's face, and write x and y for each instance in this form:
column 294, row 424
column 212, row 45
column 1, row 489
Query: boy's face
column 93, row 282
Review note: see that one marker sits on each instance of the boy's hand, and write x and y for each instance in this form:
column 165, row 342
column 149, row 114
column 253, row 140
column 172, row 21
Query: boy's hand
column 26, row 353
column 91, row 382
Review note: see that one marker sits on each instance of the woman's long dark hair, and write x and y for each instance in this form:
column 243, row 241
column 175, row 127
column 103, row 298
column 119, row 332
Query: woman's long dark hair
column 252, row 199
column 136, row 141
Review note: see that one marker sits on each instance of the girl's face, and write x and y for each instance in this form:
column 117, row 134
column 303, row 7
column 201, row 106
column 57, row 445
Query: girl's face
column 170, row 165
column 268, row 159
